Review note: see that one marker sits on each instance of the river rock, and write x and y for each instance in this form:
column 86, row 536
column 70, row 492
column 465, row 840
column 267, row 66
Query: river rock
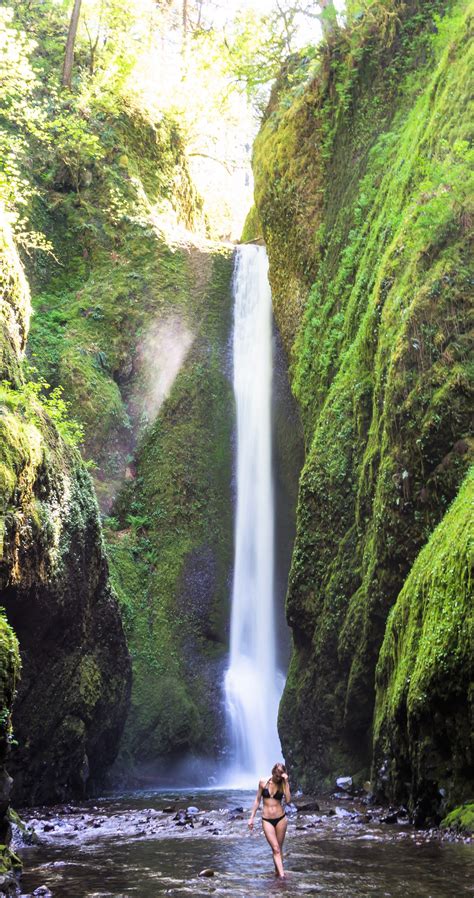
column 43, row 891
column 207, row 872
column 307, row 806
column 169, row 810
column 344, row 783
column 343, row 812
column 389, row 818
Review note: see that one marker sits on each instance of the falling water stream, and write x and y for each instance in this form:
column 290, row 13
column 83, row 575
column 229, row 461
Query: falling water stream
column 253, row 684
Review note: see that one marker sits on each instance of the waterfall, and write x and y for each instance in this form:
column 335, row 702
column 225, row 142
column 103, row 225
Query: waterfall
column 253, row 684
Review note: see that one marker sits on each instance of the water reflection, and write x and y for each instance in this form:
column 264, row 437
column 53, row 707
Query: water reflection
column 334, row 859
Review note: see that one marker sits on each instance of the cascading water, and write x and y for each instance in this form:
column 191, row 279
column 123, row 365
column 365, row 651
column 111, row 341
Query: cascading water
column 253, row 684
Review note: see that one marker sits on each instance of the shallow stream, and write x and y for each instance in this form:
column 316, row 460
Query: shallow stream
column 129, row 846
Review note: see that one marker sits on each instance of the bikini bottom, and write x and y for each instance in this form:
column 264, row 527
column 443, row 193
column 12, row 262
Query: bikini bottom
column 273, row 820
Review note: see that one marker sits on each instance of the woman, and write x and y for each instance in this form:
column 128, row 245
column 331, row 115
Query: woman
column 274, row 819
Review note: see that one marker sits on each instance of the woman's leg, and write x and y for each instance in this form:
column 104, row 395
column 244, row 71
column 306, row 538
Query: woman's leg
column 272, row 840
column 280, row 829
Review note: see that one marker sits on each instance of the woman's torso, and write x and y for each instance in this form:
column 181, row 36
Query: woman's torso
column 272, row 797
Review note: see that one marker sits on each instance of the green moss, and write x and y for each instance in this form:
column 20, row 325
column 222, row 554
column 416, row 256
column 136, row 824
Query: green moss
column 425, row 669
column 252, row 228
column 14, row 304
column 364, row 201
column 170, row 566
column 9, row 674
column 461, row 819
column 116, row 283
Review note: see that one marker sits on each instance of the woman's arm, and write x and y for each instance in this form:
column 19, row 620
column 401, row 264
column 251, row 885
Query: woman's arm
column 286, row 788
column 255, row 805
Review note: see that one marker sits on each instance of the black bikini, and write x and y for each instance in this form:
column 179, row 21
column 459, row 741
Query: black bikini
column 278, row 796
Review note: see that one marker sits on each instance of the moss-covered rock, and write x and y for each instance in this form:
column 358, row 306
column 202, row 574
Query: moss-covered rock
column 54, row 587
column 362, row 174
column 133, row 321
column 9, row 672
column 113, row 279
column 461, row 820
column 424, row 710
column 172, row 555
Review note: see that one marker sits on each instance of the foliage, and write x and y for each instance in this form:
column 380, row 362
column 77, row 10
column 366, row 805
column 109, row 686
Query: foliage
column 461, row 819
column 257, row 44
column 33, row 395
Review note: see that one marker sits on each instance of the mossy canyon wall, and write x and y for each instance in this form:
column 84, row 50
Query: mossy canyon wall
column 363, row 193
column 132, row 318
column 55, row 590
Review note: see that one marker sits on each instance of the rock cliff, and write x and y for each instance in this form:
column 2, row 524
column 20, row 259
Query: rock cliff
column 362, row 193
column 54, row 585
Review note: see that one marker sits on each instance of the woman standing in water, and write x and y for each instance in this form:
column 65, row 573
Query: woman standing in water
column 275, row 821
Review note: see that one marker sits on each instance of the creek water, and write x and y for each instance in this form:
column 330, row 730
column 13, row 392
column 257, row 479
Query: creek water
column 253, row 684
column 127, row 846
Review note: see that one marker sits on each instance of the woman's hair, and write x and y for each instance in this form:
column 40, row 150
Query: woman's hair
column 278, row 769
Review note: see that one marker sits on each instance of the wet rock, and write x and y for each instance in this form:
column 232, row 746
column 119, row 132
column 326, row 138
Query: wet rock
column 8, row 884
column 207, row 872
column 343, row 813
column 331, row 812
column 389, row 818
column 48, row 828
column 343, row 796
column 305, row 806
column 236, row 814
column 43, row 891
column 169, row 810
column 205, row 821
column 344, row 783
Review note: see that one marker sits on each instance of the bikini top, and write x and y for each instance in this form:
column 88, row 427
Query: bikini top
column 266, row 793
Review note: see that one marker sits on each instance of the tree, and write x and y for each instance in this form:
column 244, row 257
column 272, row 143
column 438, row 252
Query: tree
column 257, row 45
column 71, row 39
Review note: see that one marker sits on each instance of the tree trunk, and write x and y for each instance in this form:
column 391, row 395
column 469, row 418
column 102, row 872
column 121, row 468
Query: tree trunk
column 328, row 17
column 185, row 30
column 71, row 39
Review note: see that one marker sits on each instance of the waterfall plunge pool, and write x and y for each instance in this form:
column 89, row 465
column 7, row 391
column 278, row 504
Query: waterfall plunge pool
column 128, row 847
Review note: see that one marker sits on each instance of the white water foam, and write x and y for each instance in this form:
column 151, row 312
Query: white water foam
column 253, row 684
